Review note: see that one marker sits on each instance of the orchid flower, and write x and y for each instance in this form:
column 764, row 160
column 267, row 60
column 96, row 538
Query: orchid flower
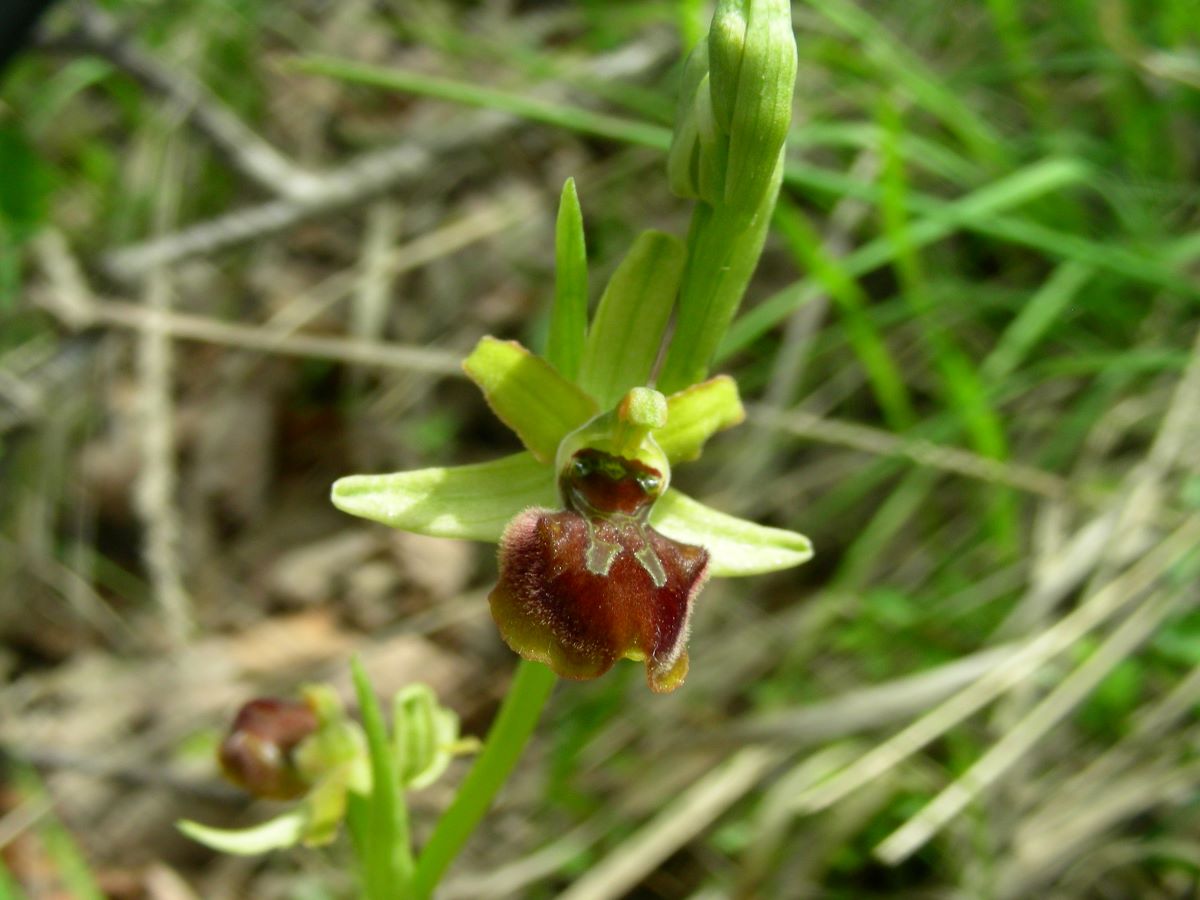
column 599, row 557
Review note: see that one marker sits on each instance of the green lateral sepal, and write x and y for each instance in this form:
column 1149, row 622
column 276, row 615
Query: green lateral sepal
column 286, row 830
column 472, row 502
column 737, row 547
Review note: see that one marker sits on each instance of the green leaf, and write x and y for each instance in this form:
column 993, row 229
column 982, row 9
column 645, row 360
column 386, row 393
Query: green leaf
column 737, row 547
column 568, row 319
column 696, row 414
column 473, row 502
column 274, row 834
column 387, row 858
column 527, row 395
column 625, row 336
column 25, row 186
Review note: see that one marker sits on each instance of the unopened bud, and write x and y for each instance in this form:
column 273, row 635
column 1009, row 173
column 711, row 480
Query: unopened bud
column 735, row 105
column 258, row 754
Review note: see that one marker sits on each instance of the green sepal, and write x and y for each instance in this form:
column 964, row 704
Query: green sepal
column 568, row 318
column 283, row 831
column 473, row 502
column 626, row 333
column 425, row 736
column 714, row 148
column 325, row 808
column 736, row 547
column 527, row 395
column 697, row 413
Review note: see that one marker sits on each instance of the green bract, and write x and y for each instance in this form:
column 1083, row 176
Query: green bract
column 476, row 502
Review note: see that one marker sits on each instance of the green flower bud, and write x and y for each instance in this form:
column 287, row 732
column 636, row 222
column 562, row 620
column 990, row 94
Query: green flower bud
column 735, row 105
column 425, row 735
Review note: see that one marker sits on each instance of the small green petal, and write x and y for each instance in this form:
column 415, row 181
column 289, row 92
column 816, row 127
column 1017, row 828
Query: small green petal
column 471, row 502
column 737, row 547
column 275, row 834
column 626, row 333
column 527, row 395
column 424, row 734
column 696, row 414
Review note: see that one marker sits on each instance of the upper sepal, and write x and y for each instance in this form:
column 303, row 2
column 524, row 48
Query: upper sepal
column 528, row 395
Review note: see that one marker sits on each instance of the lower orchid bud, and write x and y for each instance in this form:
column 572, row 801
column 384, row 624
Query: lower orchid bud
column 259, row 752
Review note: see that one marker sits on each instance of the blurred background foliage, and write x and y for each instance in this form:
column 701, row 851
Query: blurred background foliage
column 970, row 355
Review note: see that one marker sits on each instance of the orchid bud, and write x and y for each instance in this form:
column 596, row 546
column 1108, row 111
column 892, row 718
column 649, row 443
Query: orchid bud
column 259, row 753
column 425, row 736
column 735, row 105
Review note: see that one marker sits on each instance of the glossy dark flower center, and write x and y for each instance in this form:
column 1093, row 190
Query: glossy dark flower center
column 599, row 484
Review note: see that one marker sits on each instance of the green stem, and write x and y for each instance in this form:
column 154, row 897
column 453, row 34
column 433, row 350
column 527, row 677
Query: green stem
column 723, row 246
column 514, row 724
column 382, row 843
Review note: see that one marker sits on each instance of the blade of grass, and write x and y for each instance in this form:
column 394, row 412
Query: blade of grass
column 1037, row 179
column 692, row 16
column 1018, row 741
column 929, row 90
column 1108, row 257
column 1006, row 19
column 9, row 890
column 524, row 106
column 66, row 859
column 961, row 388
column 1160, row 270
column 1035, row 319
column 852, row 302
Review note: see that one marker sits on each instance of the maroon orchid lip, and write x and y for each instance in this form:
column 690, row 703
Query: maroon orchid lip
column 583, row 587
